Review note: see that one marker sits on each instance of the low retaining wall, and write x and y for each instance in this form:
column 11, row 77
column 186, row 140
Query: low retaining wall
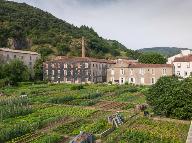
column 189, row 138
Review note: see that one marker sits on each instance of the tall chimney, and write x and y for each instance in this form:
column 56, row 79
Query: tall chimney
column 83, row 48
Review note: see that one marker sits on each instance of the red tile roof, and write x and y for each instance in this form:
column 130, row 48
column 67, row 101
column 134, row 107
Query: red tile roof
column 140, row 65
column 187, row 58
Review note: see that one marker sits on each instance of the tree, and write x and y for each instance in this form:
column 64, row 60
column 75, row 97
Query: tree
column 16, row 71
column 171, row 97
column 63, row 49
column 38, row 69
column 152, row 58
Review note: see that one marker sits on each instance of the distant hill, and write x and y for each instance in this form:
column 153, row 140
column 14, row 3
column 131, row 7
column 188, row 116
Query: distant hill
column 166, row 51
column 29, row 28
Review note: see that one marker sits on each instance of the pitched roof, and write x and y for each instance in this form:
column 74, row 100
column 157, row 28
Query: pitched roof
column 18, row 51
column 80, row 59
column 187, row 58
column 140, row 65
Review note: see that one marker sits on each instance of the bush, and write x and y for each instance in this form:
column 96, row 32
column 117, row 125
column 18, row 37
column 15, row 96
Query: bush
column 4, row 82
column 77, row 87
column 171, row 98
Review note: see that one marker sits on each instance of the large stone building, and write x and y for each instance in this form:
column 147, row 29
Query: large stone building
column 27, row 57
column 137, row 73
column 76, row 70
column 183, row 66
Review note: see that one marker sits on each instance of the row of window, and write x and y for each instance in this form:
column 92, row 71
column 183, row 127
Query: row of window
column 179, row 65
column 69, row 79
column 141, row 71
column 65, row 72
column 15, row 56
column 132, row 80
column 185, row 73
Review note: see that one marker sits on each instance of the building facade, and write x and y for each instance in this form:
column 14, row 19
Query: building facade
column 183, row 53
column 183, row 66
column 137, row 73
column 76, row 70
column 27, row 57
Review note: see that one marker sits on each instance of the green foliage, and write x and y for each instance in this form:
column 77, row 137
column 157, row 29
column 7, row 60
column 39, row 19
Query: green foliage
column 49, row 138
column 38, row 70
column 16, row 71
column 152, row 58
column 77, row 87
column 166, row 51
column 171, row 97
column 48, row 35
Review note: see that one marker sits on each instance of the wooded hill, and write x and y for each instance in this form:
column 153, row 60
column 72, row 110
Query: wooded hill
column 166, row 51
column 26, row 27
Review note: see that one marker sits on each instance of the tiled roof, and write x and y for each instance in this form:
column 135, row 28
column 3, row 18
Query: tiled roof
column 86, row 59
column 139, row 65
column 18, row 51
column 183, row 59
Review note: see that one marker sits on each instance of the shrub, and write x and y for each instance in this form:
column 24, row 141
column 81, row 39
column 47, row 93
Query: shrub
column 77, row 87
column 171, row 97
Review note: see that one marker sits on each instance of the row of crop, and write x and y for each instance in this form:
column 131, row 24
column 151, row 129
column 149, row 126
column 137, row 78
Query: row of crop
column 19, row 126
column 91, row 126
column 48, row 138
column 148, row 130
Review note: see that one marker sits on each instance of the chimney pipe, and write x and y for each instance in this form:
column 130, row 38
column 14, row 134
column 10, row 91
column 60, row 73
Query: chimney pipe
column 83, row 48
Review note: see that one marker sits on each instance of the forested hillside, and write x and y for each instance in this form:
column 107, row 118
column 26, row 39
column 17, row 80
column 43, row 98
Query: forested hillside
column 166, row 51
column 25, row 27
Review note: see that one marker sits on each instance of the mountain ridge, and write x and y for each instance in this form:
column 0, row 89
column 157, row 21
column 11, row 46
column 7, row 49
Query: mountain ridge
column 30, row 28
column 166, row 51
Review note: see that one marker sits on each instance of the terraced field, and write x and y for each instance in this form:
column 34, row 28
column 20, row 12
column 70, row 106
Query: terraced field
column 53, row 113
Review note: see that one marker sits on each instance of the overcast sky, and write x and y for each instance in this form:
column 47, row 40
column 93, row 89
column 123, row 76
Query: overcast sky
column 134, row 23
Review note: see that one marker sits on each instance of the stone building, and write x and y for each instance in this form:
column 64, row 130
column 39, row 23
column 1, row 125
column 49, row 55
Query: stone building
column 183, row 66
column 76, row 70
column 137, row 73
column 27, row 57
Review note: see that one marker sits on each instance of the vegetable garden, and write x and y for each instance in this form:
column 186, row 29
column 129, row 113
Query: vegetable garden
column 57, row 112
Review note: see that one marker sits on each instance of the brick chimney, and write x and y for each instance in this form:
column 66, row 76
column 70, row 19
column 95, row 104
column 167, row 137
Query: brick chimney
column 83, row 48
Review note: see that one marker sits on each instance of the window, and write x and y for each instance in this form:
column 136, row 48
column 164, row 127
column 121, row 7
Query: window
column 30, row 58
column 93, row 65
column 122, row 71
column 142, row 80
column 22, row 57
column 122, row 80
column 185, row 73
column 131, row 71
column 86, row 72
column 188, row 65
column 152, row 71
column 58, row 65
column 86, row 65
column 65, row 72
column 179, row 65
column 112, row 72
column 53, row 72
column 153, row 80
column 47, row 72
column 65, row 65
column 30, row 63
column 112, row 79
column 15, row 56
column 141, row 71
column 178, row 73
column 59, row 71
column 164, row 71
column 131, row 80
column 7, row 56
